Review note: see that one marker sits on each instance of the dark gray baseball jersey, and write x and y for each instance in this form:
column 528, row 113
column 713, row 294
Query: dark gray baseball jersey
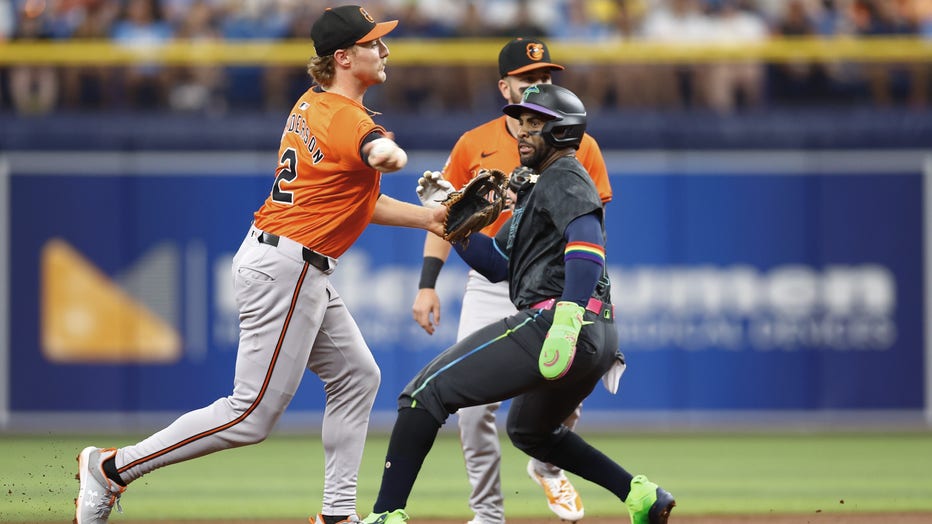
column 499, row 361
column 533, row 238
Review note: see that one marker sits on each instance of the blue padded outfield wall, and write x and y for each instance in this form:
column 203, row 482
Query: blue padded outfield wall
column 743, row 281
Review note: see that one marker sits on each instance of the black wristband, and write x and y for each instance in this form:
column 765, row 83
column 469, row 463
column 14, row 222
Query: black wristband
column 430, row 270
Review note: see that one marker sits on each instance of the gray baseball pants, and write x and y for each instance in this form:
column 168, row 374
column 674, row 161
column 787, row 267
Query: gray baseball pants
column 291, row 320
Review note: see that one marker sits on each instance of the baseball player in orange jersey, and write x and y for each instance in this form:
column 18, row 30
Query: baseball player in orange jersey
column 523, row 62
column 325, row 192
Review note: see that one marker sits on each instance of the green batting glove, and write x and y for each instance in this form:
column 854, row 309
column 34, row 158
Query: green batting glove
column 556, row 355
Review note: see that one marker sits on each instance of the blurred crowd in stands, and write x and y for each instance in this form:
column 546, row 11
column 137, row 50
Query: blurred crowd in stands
column 717, row 86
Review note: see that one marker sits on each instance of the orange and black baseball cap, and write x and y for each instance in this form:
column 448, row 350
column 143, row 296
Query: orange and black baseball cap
column 341, row 27
column 522, row 55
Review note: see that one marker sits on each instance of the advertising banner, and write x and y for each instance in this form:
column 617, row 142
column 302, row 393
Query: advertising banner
column 797, row 288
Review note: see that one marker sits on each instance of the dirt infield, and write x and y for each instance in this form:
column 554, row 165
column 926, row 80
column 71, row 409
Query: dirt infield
column 814, row 518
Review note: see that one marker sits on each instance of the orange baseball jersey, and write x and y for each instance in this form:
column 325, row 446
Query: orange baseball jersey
column 324, row 194
column 491, row 146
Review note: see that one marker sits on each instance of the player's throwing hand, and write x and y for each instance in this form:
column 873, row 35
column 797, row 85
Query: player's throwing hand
column 385, row 155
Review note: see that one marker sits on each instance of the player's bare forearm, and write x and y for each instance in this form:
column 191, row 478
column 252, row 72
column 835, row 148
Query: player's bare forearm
column 426, row 307
column 436, row 246
column 392, row 212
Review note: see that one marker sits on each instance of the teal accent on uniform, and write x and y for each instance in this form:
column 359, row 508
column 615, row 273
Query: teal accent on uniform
column 513, row 227
column 499, row 249
column 479, row 347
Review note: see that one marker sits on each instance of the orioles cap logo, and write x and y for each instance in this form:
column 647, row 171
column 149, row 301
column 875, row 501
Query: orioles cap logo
column 366, row 15
column 528, row 91
column 535, row 51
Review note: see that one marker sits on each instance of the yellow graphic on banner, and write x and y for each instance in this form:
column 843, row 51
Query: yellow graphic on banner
column 86, row 318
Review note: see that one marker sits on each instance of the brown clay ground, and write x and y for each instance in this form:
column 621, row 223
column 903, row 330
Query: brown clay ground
column 814, row 518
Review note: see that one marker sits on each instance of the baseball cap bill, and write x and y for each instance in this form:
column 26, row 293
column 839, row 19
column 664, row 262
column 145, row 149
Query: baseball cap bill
column 341, row 27
column 522, row 55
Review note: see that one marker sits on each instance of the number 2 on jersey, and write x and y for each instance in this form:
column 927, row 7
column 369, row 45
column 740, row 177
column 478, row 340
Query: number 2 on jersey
column 287, row 172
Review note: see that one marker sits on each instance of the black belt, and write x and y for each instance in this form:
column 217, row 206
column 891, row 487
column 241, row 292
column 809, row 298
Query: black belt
column 311, row 257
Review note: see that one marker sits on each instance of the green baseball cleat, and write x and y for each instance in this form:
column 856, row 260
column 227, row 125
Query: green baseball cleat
column 648, row 503
column 387, row 517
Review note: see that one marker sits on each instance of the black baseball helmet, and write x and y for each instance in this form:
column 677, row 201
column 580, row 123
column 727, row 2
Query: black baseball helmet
column 563, row 110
